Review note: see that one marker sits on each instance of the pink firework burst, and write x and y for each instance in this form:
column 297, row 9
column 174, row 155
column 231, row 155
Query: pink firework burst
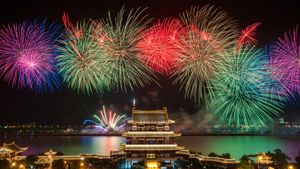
column 248, row 35
column 285, row 60
column 27, row 55
column 159, row 45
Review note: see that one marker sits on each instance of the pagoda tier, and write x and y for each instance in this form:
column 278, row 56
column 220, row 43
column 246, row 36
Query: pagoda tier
column 150, row 147
column 155, row 134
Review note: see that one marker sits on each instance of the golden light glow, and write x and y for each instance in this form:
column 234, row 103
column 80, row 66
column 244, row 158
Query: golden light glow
column 81, row 164
column 152, row 164
column 13, row 164
column 290, row 167
column 21, row 166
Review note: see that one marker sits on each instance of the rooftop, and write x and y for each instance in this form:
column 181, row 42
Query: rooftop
column 150, row 115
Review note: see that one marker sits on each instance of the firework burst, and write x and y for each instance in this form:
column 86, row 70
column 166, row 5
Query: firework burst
column 117, row 38
column 241, row 95
column 108, row 121
column 284, row 60
column 81, row 62
column 247, row 36
column 160, row 45
column 27, row 55
column 209, row 32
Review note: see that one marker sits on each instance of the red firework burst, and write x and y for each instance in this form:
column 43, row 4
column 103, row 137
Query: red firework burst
column 159, row 45
column 247, row 35
column 70, row 27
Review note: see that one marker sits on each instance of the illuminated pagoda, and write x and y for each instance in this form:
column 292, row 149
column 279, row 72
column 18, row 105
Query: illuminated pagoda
column 150, row 139
column 10, row 150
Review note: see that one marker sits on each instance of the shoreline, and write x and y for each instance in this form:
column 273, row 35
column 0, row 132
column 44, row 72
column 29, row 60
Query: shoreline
column 183, row 134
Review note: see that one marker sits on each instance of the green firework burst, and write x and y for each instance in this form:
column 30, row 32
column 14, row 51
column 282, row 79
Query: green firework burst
column 81, row 62
column 209, row 33
column 241, row 89
column 117, row 38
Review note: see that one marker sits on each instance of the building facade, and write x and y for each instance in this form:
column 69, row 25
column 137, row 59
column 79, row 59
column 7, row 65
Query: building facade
column 149, row 140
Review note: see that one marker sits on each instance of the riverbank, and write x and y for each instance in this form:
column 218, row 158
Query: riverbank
column 119, row 134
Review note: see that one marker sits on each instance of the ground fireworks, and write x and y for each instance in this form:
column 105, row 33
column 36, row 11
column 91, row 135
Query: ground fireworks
column 108, row 121
column 160, row 45
column 202, row 45
column 241, row 95
column 284, row 60
column 81, row 62
column 117, row 38
column 27, row 55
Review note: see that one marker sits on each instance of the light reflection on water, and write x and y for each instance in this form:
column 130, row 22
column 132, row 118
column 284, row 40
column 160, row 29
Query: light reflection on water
column 235, row 145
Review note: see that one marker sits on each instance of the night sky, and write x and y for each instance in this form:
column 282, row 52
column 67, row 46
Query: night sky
column 69, row 107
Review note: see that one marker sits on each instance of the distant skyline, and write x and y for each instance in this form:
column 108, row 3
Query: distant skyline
column 69, row 107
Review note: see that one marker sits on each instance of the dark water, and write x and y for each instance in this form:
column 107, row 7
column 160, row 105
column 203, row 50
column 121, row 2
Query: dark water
column 235, row 145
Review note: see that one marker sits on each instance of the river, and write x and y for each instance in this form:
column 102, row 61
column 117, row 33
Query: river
column 235, row 145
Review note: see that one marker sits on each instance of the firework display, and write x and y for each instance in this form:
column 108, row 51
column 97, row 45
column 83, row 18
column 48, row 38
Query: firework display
column 27, row 55
column 81, row 62
column 117, row 39
column 107, row 121
column 160, row 45
column 202, row 45
column 241, row 95
column 202, row 52
column 284, row 60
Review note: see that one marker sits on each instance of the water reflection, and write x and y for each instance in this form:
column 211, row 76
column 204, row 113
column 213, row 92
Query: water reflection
column 235, row 145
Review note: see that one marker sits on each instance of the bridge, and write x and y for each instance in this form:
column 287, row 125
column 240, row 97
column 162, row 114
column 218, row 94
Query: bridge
column 203, row 158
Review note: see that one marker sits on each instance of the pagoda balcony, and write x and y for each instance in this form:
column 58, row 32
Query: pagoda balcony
column 150, row 147
column 150, row 122
column 148, row 141
column 151, row 134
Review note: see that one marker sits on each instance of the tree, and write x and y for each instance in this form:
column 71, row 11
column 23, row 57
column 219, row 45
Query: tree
column 59, row 153
column 4, row 164
column 225, row 155
column 30, row 159
column 246, row 162
column 212, row 154
column 279, row 158
column 58, row 164
column 297, row 159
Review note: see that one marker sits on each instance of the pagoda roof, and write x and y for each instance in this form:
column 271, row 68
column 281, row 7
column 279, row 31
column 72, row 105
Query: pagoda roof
column 11, row 148
column 150, row 134
column 150, row 147
column 50, row 153
column 154, row 116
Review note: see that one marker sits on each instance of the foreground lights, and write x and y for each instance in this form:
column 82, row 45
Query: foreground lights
column 290, row 167
column 152, row 164
column 21, row 166
column 81, row 164
column 13, row 164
